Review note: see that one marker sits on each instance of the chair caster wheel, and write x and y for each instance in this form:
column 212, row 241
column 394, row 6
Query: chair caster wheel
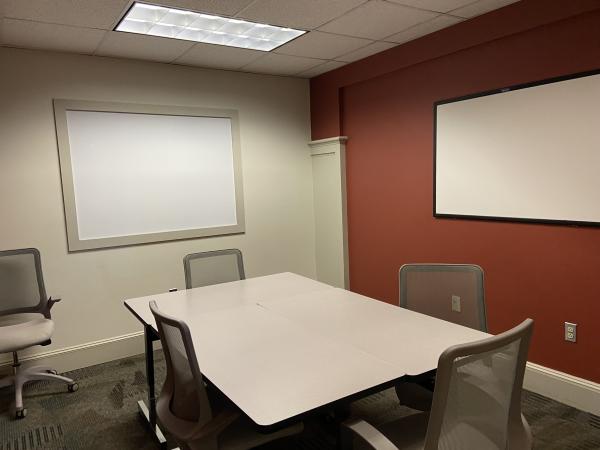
column 52, row 371
column 73, row 387
column 21, row 413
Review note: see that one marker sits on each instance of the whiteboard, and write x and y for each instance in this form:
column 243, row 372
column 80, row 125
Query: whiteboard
column 526, row 153
column 137, row 174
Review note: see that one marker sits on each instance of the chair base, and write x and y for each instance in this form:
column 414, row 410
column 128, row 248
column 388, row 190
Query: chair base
column 21, row 376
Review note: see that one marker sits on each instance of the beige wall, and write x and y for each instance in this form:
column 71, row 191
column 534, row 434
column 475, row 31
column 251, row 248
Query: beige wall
column 277, row 176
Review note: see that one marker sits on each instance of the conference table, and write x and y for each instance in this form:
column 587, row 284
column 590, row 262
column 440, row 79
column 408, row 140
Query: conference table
column 282, row 346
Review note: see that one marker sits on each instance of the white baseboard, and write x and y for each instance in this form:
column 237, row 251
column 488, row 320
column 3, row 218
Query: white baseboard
column 568, row 389
column 85, row 355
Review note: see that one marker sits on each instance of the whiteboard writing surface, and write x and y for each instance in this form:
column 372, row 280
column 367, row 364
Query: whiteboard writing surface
column 138, row 177
column 527, row 153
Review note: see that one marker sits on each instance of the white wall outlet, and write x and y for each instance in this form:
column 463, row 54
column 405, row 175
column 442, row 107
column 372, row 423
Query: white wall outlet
column 570, row 332
column 455, row 303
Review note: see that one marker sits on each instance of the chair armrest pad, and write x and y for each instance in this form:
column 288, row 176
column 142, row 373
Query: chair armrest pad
column 368, row 433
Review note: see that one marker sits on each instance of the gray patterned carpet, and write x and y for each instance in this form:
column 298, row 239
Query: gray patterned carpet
column 103, row 415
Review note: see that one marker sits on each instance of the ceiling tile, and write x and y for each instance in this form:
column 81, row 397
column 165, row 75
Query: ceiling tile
column 218, row 56
column 82, row 13
column 138, row 46
column 306, row 14
column 322, row 45
column 322, row 68
column 369, row 50
column 275, row 64
column 435, row 5
column 424, row 28
column 219, row 7
column 377, row 19
column 481, row 7
column 28, row 34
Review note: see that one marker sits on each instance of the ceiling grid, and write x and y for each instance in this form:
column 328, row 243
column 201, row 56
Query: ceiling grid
column 338, row 32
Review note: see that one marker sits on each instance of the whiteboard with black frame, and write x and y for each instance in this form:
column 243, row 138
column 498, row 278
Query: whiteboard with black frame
column 525, row 153
column 134, row 174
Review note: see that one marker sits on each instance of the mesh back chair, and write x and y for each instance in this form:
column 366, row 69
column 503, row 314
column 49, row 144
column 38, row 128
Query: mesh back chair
column 451, row 292
column 196, row 414
column 25, row 318
column 476, row 404
column 206, row 268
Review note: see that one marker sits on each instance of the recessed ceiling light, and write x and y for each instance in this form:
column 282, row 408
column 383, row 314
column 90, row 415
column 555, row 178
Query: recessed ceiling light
column 143, row 18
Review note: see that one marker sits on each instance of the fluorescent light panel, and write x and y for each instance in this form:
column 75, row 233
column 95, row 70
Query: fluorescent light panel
column 172, row 23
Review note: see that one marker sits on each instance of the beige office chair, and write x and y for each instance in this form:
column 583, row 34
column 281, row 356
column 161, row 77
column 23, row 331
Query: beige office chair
column 476, row 405
column 25, row 318
column 206, row 268
column 452, row 292
column 195, row 414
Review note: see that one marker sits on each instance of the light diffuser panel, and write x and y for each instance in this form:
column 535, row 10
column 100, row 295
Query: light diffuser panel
column 172, row 23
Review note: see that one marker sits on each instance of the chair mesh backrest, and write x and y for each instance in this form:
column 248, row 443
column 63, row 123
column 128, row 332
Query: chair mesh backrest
column 432, row 289
column 21, row 282
column 188, row 395
column 478, row 402
column 206, row 268
column 477, row 397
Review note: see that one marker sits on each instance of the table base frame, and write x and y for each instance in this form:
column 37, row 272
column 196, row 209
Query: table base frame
column 148, row 412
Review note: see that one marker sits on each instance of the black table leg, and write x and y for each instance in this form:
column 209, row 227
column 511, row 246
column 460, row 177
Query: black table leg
column 149, row 412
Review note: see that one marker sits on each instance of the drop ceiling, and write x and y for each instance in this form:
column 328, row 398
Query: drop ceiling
column 339, row 31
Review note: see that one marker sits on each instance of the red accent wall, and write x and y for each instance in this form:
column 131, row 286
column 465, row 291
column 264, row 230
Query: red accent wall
column 550, row 273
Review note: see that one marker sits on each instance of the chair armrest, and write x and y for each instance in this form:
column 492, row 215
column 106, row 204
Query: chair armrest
column 52, row 301
column 49, row 304
column 367, row 433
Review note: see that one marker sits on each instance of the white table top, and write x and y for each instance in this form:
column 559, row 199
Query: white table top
column 273, row 369
column 410, row 341
column 281, row 345
column 192, row 302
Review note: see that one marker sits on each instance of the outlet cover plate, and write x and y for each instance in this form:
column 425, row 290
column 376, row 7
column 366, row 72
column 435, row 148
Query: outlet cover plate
column 570, row 332
column 455, row 303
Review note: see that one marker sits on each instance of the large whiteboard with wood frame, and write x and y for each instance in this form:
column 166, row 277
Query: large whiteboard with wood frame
column 526, row 153
column 135, row 174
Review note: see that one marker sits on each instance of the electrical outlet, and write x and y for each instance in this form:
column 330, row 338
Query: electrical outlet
column 570, row 332
column 455, row 303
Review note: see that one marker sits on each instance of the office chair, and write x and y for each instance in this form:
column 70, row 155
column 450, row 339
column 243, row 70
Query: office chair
column 219, row 266
column 482, row 415
column 196, row 414
column 451, row 292
column 25, row 319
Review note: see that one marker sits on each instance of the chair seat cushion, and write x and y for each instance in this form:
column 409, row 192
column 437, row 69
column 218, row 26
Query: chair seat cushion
column 19, row 331
column 242, row 434
column 414, row 396
column 407, row 433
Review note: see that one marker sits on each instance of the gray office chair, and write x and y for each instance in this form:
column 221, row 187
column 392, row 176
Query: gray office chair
column 196, row 414
column 434, row 289
column 25, row 318
column 451, row 292
column 476, row 405
column 206, row 268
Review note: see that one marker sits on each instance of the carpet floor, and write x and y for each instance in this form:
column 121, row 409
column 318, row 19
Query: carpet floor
column 102, row 414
